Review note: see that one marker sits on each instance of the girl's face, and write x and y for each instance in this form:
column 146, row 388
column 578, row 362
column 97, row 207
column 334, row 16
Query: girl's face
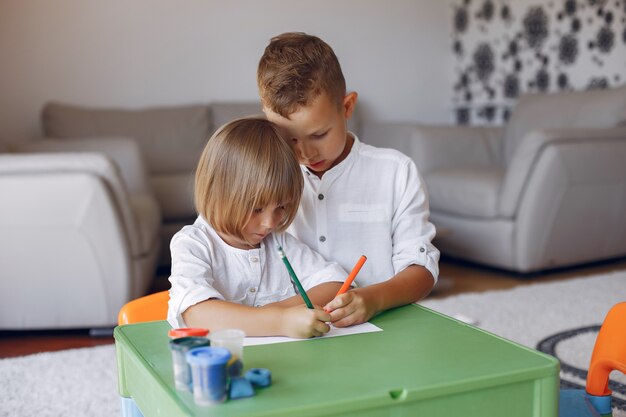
column 261, row 223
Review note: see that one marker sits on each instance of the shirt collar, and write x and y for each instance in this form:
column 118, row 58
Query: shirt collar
column 217, row 238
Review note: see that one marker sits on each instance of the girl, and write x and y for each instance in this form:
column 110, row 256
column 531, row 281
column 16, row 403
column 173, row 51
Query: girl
column 226, row 271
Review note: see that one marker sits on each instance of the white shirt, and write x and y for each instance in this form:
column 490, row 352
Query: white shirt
column 204, row 267
column 372, row 203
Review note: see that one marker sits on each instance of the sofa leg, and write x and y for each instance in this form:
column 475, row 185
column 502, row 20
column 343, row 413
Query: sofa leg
column 101, row 332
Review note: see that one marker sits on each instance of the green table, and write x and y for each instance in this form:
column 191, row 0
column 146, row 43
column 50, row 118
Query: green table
column 423, row 363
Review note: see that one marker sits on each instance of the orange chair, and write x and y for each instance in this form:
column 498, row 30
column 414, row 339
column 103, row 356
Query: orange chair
column 148, row 308
column 609, row 352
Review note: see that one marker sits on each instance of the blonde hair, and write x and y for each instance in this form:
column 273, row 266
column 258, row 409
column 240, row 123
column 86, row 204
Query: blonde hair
column 295, row 69
column 246, row 165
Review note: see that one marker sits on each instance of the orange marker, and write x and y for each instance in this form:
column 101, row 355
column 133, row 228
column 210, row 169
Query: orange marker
column 355, row 270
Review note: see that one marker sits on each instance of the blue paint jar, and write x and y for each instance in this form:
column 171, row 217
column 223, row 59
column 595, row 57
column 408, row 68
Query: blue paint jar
column 209, row 374
column 179, row 348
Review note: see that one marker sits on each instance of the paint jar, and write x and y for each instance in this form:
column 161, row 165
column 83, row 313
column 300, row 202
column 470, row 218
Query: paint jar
column 231, row 339
column 179, row 348
column 187, row 331
column 208, row 374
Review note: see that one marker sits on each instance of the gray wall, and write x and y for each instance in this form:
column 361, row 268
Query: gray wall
column 395, row 53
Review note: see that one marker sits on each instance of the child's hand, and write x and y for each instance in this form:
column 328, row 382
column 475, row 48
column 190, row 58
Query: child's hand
column 352, row 307
column 301, row 322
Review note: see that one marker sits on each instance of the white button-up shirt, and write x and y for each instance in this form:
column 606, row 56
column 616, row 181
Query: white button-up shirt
column 204, row 267
column 372, row 203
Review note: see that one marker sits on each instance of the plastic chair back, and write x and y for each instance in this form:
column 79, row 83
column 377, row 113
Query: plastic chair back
column 609, row 352
column 148, row 308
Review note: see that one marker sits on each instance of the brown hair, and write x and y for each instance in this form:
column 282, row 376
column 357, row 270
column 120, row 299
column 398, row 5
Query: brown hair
column 295, row 69
column 246, row 165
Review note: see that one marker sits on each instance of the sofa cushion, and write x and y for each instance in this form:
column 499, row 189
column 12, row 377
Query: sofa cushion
column 148, row 218
column 175, row 195
column 466, row 192
column 171, row 138
column 226, row 111
column 581, row 109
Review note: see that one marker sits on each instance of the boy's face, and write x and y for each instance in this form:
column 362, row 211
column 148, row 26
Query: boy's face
column 318, row 132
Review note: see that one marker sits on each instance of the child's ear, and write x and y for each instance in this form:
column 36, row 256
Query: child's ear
column 349, row 101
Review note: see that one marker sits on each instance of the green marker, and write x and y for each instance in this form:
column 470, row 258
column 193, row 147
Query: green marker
column 294, row 278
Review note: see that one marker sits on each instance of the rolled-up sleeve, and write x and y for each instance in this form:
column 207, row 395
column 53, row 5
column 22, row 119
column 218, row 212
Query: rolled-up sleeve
column 412, row 232
column 191, row 277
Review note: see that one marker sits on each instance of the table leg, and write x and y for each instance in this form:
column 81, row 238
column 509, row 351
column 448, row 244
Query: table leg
column 129, row 408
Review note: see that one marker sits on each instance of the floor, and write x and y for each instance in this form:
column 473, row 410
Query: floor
column 456, row 277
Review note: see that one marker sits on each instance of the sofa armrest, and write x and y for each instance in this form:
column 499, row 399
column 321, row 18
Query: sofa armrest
column 454, row 147
column 535, row 143
column 124, row 152
column 439, row 147
column 388, row 135
column 43, row 165
column 66, row 230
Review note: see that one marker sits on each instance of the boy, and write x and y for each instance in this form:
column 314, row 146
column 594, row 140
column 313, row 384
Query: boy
column 358, row 199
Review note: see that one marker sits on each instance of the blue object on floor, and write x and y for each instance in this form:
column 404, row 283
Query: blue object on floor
column 128, row 408
column 240, row 388
column 259, row 377
column 574, row 403
column 602, row 403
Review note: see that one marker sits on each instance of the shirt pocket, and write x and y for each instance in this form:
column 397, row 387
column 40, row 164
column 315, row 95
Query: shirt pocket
column 362, row 213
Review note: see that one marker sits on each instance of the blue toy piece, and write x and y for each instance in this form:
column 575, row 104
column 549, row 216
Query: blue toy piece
column 259, row 377
column 574, row 403
column 240, row 388
column 602, row 403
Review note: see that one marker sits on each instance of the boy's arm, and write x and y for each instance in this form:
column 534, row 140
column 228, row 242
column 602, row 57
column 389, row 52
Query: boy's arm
column 360, row 304
column 270, row 320
column 406, row 287
column 319, row 295
column 323, row 293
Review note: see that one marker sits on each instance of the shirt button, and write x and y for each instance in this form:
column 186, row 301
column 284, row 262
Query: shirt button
column 320, row 196
column 252, row 290
column 322, row 238
column 422, row 250
column 254, row 259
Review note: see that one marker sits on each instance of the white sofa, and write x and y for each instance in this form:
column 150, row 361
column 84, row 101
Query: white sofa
column 547, row 190
column 78, row 237
column 170, row 140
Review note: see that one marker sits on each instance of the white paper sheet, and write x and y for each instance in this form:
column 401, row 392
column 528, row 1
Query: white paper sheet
column 334, row 331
